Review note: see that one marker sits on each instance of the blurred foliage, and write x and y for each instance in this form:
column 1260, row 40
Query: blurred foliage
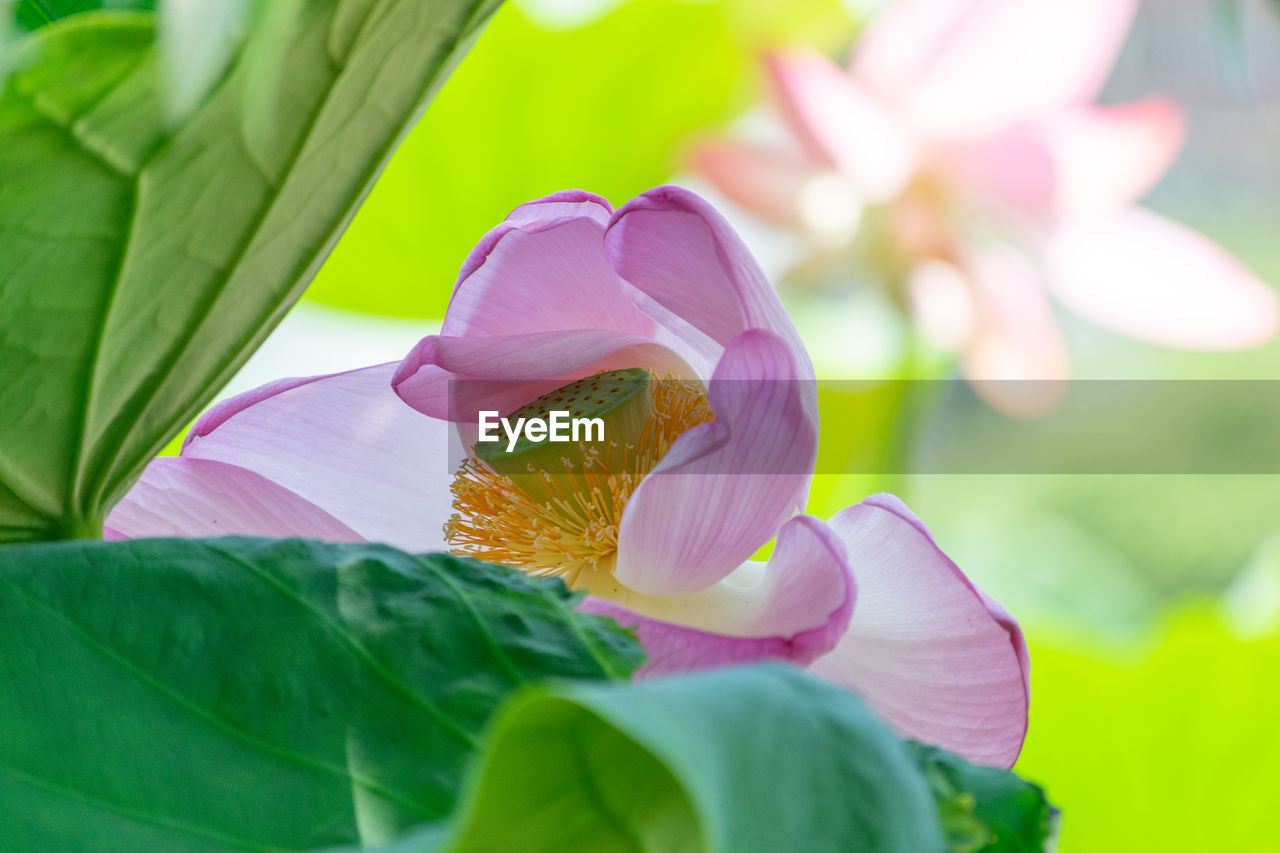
column 1089, row 554
column 1228, row 14
column 1102, row 552
column 1172, row 749
column 607, row 107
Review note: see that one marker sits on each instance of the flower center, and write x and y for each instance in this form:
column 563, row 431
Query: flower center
column 554, row 509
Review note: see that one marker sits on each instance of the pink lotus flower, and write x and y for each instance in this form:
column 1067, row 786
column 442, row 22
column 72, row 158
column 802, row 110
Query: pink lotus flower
column 989, row 179
column 563, row 289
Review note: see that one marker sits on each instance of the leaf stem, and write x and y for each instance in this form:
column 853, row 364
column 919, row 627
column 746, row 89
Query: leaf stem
column 79, row 528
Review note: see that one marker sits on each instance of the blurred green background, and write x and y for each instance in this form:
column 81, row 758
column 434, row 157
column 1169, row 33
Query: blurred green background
column 1150, row 602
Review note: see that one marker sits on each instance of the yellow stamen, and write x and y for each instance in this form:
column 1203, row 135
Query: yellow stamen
column 571, row 527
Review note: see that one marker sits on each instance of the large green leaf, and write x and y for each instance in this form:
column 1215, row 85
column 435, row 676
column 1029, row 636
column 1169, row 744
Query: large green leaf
column 141, row 262
column 243, row 694
column 761, row 759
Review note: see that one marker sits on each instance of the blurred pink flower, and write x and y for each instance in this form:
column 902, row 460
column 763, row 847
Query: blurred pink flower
column 965, row 134
column 567, row 287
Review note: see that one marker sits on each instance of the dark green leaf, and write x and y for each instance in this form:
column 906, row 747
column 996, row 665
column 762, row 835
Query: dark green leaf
column 32, row 14
column 142, row 262
column 983, row 809
column 239, row 694
column 732, row 761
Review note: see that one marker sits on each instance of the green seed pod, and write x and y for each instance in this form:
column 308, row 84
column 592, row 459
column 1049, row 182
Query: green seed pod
column 618, row 401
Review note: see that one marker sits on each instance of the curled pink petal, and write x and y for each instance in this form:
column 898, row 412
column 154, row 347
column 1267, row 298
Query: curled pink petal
column 557, row 208
column 178, row 496
column 224, row 410
column 796, row 611
column 566, row 204
column 346, row 444
column 725, row 487
column 963, row 68
column 843, row 126
column 543, row 269
column 808, row 590
column 681, row 254
column 934, row 656
column 453, row 378
column 1150, row 278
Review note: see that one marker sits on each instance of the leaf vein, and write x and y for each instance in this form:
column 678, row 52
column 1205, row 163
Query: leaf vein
column 218, row 722
column 131, row 814
column 447, row 723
